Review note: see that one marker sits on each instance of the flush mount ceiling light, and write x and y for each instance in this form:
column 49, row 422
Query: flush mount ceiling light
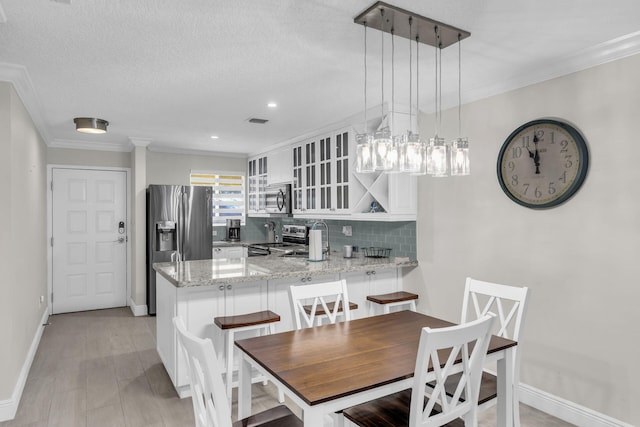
column 90, row 125
column 400, row 22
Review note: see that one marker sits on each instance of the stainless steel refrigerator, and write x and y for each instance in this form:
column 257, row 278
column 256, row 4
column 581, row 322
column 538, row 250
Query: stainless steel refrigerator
column 178, row 228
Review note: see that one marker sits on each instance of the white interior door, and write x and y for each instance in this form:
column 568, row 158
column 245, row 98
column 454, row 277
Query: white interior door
column 90, row 229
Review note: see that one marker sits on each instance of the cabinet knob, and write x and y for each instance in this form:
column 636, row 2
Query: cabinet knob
column 373, row 272
column 217, row 249
column 368, row 273
column 229, row 287
column 221, row 287
column 309, row 279
column 304, row 279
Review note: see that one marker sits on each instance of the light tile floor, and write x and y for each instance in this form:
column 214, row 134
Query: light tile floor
column 100, row 369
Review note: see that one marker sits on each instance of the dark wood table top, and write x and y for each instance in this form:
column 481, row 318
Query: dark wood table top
column 332, row 361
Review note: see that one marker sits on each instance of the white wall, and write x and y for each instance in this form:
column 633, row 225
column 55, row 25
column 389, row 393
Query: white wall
column 73, row 157
column 581, row 340
column 169, row 168
column 23, row 261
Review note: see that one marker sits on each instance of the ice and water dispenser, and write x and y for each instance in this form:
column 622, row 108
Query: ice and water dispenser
column 166, row 236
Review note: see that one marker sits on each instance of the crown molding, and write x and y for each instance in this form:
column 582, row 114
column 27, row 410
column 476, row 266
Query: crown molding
column 18, row 76
column 593, row 56
column 187, row 151
column 91, row 145
column 140, row 142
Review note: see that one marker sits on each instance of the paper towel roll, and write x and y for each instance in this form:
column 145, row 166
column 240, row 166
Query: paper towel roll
column 315, row 245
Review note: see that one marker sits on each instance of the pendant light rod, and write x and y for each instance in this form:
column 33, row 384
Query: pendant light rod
column 410, row 80
column 459, row 88
column 365, row 80
column 397, row 18
column 382, row 64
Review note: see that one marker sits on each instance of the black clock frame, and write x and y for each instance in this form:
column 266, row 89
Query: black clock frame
column 583, row 152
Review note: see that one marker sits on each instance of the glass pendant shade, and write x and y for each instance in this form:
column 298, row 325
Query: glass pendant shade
column 437, row 157
column 413, row 154
column 382, row 145
column 395, row 154
column 460, row 157
column 365, row 155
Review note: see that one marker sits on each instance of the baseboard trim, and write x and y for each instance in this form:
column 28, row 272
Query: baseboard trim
column 9, row 407
column 137, row 310
column 566, row 410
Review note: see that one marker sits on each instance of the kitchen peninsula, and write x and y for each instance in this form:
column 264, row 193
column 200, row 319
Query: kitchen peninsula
column 198, row 291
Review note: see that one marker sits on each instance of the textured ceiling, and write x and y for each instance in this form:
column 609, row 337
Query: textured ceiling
column 176, row 72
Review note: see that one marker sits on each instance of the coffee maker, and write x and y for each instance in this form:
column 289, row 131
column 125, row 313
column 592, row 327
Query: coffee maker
column 233, row 230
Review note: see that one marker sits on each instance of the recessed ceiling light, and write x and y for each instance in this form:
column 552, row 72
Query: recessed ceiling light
column 214, row 137
column 272, row 105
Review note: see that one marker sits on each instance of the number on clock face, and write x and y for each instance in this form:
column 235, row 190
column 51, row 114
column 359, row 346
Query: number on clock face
column 542, row 163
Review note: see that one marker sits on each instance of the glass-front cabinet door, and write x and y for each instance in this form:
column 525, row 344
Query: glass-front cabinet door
column 257, row 171
column 321, row 174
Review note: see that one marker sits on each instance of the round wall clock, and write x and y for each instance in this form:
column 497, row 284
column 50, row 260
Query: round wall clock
column 543, row 163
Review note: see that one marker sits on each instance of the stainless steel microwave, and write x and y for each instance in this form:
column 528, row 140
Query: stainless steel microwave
column 278, row 199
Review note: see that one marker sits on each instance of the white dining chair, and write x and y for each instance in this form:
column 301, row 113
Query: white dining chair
column 314, row 302
column 422, row 406
column 208, row 395
column 510, row 304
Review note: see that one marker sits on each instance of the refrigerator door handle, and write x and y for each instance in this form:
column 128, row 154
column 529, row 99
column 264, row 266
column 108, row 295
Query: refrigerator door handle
column 179, row 236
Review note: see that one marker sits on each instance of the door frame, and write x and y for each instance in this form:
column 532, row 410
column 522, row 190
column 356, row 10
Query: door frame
column 127, row 196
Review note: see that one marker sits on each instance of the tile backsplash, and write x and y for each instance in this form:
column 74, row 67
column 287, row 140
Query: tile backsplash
column 399, row 236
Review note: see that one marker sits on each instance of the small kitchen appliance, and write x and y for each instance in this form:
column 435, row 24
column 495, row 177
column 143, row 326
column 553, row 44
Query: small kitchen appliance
column 233, row 230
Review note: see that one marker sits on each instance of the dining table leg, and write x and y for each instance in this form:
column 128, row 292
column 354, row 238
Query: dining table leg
column 244, row 389
column 312, row 417
column 504, row 410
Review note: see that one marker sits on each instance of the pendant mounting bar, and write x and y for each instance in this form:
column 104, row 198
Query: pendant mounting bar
column 397, row 19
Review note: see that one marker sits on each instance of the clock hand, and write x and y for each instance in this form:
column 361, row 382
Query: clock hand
column 536, row 156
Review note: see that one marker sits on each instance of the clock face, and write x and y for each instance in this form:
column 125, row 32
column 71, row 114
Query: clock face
column 542, row 163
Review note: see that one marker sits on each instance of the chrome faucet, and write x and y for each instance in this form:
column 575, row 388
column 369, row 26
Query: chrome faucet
column 313, row 227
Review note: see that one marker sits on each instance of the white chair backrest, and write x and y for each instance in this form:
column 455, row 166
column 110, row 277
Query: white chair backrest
column 459, row 339
column 321, row 294
column 210, row 405
column 509, row 302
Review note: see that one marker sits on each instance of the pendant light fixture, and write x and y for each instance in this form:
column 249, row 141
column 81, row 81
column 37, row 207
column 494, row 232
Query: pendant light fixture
column 406, row 152
column 382, row 137
column 460, row 145
column 90, row 125
column 393, row 155
column 365, row 156
column 438, row 150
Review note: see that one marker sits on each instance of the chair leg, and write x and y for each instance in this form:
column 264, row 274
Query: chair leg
column 229, row 377
column 516, row 406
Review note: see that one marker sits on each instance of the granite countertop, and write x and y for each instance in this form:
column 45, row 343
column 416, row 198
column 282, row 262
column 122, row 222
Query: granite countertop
column 235, row 270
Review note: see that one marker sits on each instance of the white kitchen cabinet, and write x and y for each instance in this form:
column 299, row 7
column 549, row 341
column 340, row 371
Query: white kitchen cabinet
column 257, row 171
column 219, row 252
column 279, row 301
column 321, row 174
column 198, row 306
column 370, row 282
column 280, row 167
column 395, row 194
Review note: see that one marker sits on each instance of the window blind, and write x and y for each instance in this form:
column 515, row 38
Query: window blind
column 228, row 194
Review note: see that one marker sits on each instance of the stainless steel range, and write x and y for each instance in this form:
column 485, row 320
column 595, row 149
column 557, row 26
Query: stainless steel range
column 295, row 239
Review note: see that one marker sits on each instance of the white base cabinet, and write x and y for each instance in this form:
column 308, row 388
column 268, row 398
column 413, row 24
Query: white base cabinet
column 220, row 252
column 199, row 305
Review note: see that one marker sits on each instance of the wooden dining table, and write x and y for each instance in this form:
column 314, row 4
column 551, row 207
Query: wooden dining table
column 329, row 368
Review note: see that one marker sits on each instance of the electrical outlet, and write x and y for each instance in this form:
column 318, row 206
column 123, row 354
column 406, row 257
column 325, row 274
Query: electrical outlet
column 346, row 230
column 41, row 299
column 215, row 233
